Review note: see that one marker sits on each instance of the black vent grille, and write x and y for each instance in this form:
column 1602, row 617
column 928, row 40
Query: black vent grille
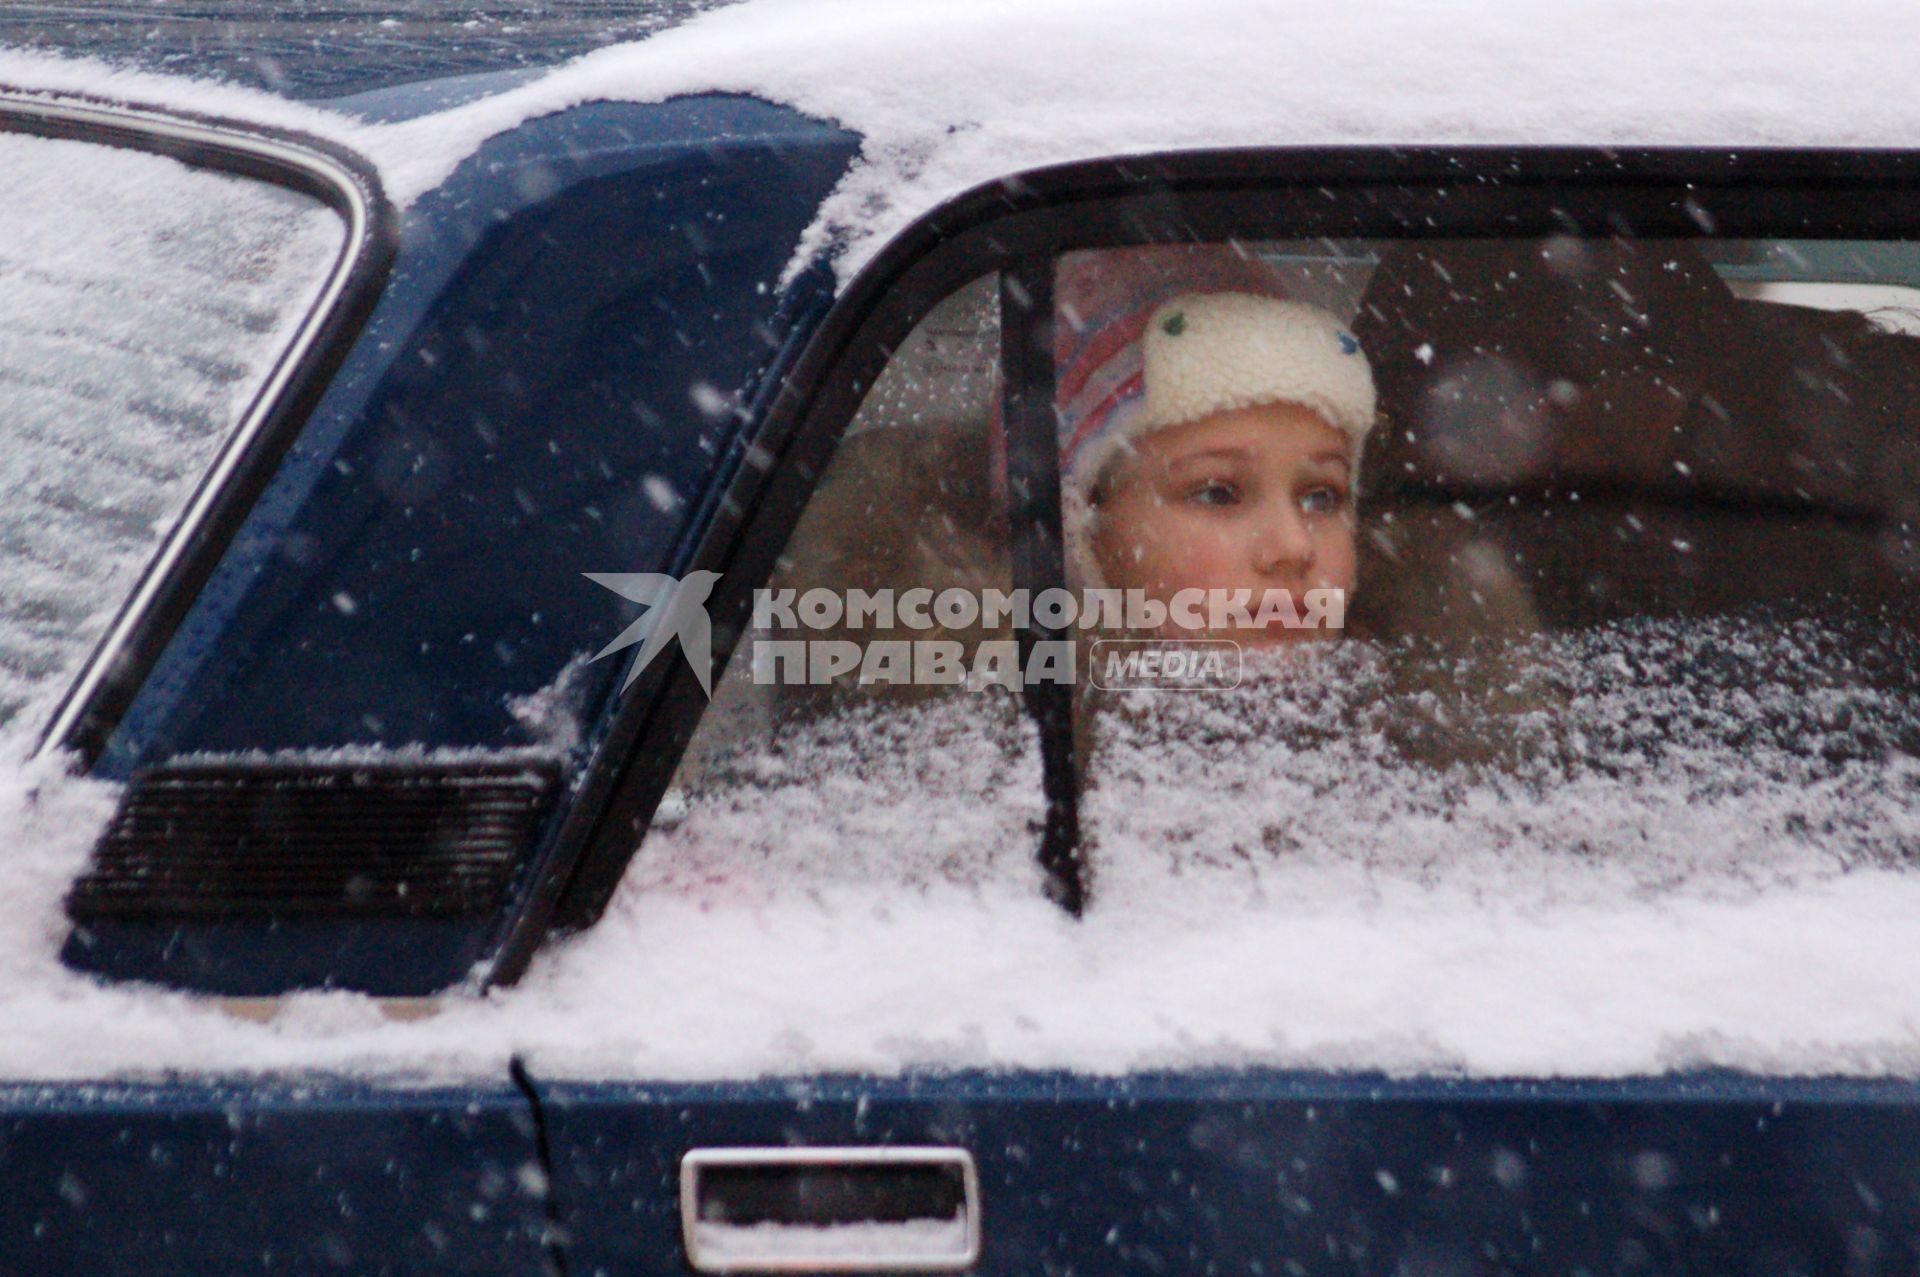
column 235, row 841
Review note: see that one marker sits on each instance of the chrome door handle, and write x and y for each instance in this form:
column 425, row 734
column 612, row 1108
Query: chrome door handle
column 821, row 1210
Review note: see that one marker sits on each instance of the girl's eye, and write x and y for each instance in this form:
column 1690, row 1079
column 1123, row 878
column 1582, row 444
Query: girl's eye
column 1323, row 500
column 1214, row 492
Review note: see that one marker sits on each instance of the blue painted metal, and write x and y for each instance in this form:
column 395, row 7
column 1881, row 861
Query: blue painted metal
column 546, row 390
column 1275, row 1173
column 239, row 1177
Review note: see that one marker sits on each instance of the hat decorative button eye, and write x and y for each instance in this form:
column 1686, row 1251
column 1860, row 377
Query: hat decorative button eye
column 1348, row 345
column 1175, row 324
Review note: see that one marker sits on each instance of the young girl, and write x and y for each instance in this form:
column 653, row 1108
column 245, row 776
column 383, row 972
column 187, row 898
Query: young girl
column 1211, row 445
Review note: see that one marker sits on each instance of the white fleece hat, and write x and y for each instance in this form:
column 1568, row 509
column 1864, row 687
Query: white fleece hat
column 1204, row 353
column 1199, row 354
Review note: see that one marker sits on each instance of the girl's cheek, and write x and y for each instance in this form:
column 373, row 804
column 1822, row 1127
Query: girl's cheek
column 1341, row 561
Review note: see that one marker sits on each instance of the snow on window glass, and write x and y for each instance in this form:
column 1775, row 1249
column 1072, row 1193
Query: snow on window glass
column 942, row 792
column 142, row 303
column 1627, row 761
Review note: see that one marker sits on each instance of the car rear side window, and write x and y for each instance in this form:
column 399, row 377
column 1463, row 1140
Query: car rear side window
column 143, row 303
column 1623, row 532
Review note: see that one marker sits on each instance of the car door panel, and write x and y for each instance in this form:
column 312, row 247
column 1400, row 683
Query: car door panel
column 213, row 1177
column 1265, row 1172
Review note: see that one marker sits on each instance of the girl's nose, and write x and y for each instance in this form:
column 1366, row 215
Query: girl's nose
column 1283, row 543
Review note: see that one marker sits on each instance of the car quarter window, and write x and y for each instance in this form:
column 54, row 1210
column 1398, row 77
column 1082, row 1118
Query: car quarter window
column 860, row 733
column 1554, row 564
column 143, row 303
column 347, row 755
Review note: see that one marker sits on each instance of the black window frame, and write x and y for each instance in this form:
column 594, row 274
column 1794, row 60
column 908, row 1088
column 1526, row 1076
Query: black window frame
column 161, row 596
column 1019, row 225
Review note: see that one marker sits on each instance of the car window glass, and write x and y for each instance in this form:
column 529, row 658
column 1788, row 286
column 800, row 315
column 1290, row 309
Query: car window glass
column 859, row 734
column 142, row 303
column 1627, row 594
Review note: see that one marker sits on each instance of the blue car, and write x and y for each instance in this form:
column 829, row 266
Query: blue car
column 618, row 680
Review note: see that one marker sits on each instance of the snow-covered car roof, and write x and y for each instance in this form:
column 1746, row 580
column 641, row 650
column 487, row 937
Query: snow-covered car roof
column 948, row 94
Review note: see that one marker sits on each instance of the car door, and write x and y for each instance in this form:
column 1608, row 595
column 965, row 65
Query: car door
column 930, row 959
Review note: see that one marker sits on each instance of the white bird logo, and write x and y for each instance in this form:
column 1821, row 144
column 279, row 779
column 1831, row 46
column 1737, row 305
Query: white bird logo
column 676, row 608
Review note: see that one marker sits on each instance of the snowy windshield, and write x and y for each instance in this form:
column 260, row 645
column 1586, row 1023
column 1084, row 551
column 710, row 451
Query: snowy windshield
column 142, row 303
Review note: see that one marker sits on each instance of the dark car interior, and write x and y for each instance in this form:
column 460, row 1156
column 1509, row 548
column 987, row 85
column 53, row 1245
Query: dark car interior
column 1632, row 438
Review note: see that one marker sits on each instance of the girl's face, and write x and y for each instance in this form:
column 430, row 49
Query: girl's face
column 1257, row 499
